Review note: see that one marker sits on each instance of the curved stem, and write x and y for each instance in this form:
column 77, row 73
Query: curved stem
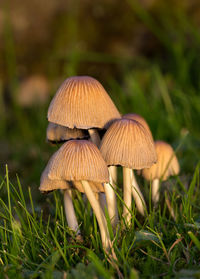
column 94, row 135
column 70, row 212
column 102, row 200
column 110, row 189
column 155, row 191
column 99, row 215
column 137, row 195
column 127, row 183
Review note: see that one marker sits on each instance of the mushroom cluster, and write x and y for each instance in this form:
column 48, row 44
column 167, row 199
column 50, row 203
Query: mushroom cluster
column 79, row 110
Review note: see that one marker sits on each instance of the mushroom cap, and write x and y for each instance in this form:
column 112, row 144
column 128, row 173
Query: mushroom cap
column 140, row 119
column 82, row 102
column 78, row 160
column 48, row 185
column 127, row 143
column 166, row 165
column 58, row 133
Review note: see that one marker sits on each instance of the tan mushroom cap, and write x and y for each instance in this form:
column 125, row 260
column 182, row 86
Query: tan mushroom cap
column 47, row 184
column 58, row 133
column 166, row 165
column 82, row 102
column 127, row 143
column 140, row 119
column 79, row 160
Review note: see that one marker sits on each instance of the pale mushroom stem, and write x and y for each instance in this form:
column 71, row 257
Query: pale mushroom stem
column 111, row 197
column 113, row 174
column 94, row 135
column 103, row 202
column 137, row 195
column 99, row 215
column 155, row 191
column 70, row 212
column 127, row 189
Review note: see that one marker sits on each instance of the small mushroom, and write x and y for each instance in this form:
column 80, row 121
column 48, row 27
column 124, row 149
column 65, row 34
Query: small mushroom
column 80, row 160
column 166, row 165
column 48, row 185
column 137, row 194
column 127, row 143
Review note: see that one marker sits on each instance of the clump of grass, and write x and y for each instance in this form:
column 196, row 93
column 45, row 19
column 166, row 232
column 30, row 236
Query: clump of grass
column 38, row 243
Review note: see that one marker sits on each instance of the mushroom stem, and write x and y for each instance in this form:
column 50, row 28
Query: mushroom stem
column 99, row 215
column 94, row 135
column 102, row 200
column 155, row 191
column 113, row 174
column 137, row 195
column 111, row 196
column 127, row 183
column 70, row 212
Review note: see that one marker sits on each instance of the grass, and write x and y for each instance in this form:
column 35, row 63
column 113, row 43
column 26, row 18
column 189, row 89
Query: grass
column 37, row 244
column 35, row 241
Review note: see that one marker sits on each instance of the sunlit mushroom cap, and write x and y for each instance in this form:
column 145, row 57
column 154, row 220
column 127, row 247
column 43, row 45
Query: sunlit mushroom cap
column 79, row 160
column 82, row 102
column 127, row 143
column 140, row 119
column 48, row 185
column 58, row 133
column 166, row 165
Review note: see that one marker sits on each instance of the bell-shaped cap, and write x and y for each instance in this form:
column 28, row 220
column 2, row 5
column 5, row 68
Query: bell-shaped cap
column 79, row 160
column 127, row 143
column 166, row 165
column 140, row 119
column 82, row 102
column 58, row 133
column 48, row 185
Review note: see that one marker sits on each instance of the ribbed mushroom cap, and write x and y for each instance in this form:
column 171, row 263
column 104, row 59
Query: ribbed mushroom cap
column 140, row 119
column 58, row 133
column 79, row 160
column 47, row 184
column 127, row 143
column 166, row 165
column 82, row 102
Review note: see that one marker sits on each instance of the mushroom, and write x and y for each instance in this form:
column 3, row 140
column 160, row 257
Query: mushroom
column 127, row 143
column 57, row 133
column 137, row 194
column 80, row 160
column 48, row 185
column 166, row 165
column 82, row 102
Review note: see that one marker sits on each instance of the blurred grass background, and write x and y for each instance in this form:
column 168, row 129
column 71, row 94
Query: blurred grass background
column 145, row 53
